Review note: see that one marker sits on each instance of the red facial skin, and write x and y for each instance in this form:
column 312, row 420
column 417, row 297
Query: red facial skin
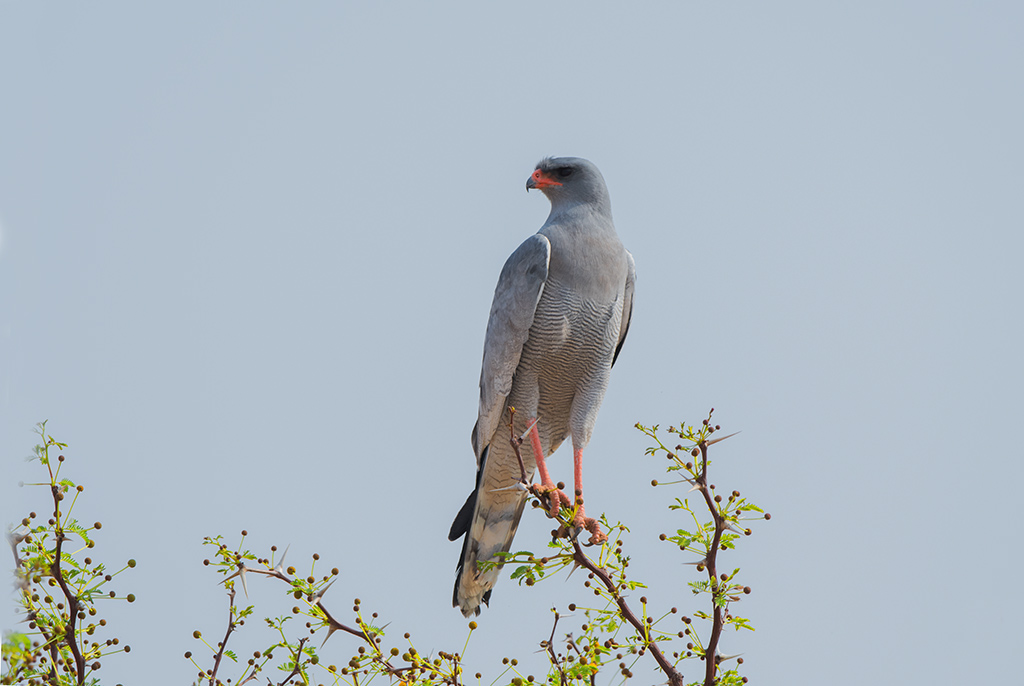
column 540, row 180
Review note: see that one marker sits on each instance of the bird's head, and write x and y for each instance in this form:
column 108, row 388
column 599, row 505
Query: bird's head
column 568, row 179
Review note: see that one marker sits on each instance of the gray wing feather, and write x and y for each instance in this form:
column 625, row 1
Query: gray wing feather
column 627, row 306
column 515, row 301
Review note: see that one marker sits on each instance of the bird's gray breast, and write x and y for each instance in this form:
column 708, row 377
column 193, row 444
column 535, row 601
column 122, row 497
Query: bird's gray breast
column 568, row 352
column 568, row 325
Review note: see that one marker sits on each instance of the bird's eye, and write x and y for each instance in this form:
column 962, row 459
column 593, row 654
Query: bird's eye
column 564, row 172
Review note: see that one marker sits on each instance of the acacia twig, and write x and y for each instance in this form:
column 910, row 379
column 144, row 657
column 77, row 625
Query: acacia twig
column 298, row 657
column 333, row 625
column 58, row 574
column 338, row 626
column 551, row 652
column 674, row 677
column 710, row 563
column 23, row 585
column 517, row 441
column 227, row 634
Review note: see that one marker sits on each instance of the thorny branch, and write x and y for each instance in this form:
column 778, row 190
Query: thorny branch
column 674, row 677
column 48, row 640
column 227, row 635
column 58, row 574
column 298, row 662
column 551, row 651
column 59, row 619
column 316, row 600
column 710, row 563
column 55, row 570
column 517, row 441
column 724, row 515
column 718, row 585
column 379, row 662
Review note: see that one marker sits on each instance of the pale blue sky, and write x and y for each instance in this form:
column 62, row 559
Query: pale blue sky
column 248, row 251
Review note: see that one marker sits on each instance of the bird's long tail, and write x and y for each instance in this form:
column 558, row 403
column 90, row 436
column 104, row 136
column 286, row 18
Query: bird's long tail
column 489, row 520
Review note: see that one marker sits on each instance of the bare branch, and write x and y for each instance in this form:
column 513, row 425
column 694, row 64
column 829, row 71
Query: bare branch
column 551, row 652
column 517, row 441
column 227, row 634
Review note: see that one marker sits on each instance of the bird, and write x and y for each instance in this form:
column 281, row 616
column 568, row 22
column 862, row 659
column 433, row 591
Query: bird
column 560, row 314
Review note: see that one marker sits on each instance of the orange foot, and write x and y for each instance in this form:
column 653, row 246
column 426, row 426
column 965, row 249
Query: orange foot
column 582, row 522
column 597, row 537
column 555, row 496
column 579, row 523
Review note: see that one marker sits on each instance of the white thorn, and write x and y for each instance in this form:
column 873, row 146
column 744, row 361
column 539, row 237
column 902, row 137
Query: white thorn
column 280, row 563
column 320, row 594
column 242, row 569
column 720, row 438
column 517, row 486
column 529, row 429
column 330, row 630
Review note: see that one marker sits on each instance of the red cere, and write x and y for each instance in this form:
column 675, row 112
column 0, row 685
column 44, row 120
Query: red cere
column 541, row 181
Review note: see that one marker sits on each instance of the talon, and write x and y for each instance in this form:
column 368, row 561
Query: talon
column 596, row 535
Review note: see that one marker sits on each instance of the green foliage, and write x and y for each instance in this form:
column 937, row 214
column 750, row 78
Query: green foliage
column 612, row 636
column 297, row 657
column 613, row 632
column 58, row 591
column 706, row 539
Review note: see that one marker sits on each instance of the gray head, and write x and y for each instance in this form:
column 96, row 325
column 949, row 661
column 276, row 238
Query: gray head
column 569, row 180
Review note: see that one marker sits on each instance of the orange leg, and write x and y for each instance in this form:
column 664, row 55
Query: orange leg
column 577, row 473
column 582, row 520
column 556, row 497
column 538, row 456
